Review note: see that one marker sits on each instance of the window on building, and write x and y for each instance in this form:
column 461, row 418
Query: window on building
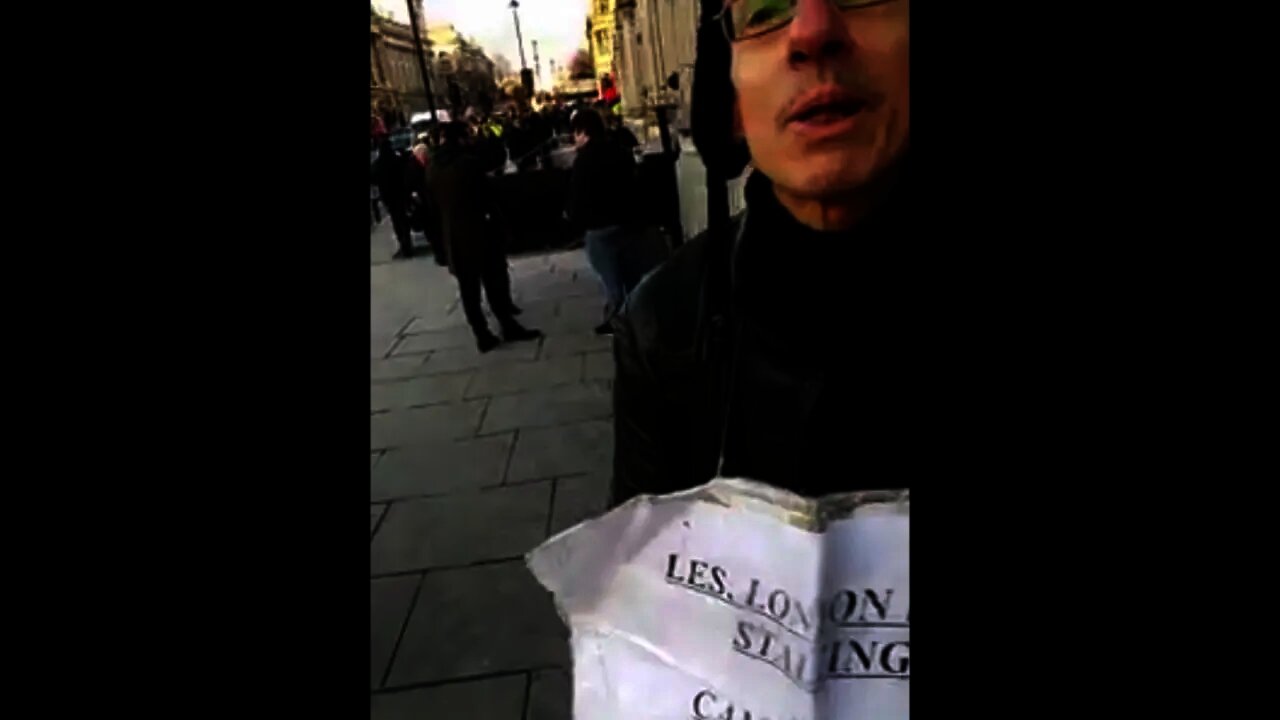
column 602, row 7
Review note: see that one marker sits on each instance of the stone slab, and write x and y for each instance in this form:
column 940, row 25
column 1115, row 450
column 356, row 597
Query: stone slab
column 440, row 467
column 523, row 376
column 569, row 262
column 500, row 698
column 580, row 315
column 600, row 366
column 418, row 391
column 441, row 321
column 484, row 619
column 469, row 358
column 375, row 514
column 421, row 343
column 575, row 344
column 550, row 695
column 461, row 529
column 379, row 345
column 395, row 368
column 577, row 499
column 554, row 406
column 553, row 286
column 417, row 426
column 565, row 450
column 389, row 603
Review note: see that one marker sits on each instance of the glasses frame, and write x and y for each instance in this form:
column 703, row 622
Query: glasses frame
column 726, row 20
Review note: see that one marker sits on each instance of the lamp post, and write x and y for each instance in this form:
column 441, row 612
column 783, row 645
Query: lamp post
column 422, row 59
column 537, row 67
column 526, row 77
column 515, row 7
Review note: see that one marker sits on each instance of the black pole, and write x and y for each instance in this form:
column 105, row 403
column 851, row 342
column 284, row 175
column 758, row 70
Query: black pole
column 537, row 67
column 519, row 39
column 422, row 58
column 526, row 75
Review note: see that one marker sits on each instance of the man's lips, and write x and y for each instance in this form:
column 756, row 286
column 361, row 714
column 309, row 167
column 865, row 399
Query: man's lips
column 824, row 106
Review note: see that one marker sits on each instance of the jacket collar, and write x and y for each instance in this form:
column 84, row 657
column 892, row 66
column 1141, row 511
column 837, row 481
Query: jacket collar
column 800, row 285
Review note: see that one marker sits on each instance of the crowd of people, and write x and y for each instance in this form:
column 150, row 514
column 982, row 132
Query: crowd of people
column 442, row 188
column 723, row 361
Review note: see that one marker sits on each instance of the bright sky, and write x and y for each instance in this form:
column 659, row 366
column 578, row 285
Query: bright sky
column 559, row 26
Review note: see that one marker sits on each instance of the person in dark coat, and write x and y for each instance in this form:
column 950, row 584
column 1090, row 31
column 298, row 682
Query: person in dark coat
column 602, row 205
column 726, row 363
column 621, row 134
column 462, row 198
column 489, row 147
column 389, row 176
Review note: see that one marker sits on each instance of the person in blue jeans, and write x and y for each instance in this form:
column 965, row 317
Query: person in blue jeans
column 602, row 199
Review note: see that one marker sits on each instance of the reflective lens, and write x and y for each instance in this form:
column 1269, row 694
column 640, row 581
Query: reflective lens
column 749, row 18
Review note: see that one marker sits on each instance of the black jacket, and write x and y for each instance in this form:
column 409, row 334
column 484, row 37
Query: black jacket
column 415, row 179
column 461, row 199
column 788, row 349
column 602, row 187
column 388, row 175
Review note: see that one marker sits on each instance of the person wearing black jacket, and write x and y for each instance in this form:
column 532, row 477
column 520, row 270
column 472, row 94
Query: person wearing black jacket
column 773, row 349
column 389, row 176
column 602, row 198
column 621, row 134
column 462, row 199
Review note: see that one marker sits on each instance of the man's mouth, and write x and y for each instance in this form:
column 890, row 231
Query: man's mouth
column 825, row 113
column 826, row 107
column 830, row 113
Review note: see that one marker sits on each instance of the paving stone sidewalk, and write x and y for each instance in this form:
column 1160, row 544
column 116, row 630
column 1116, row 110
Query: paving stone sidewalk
column 474, row 460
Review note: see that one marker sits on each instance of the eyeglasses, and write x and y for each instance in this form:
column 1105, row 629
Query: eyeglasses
column 742, row 19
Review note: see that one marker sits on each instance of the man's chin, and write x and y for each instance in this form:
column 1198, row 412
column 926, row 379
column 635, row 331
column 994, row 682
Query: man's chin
column 832, row 171
column 825, row 176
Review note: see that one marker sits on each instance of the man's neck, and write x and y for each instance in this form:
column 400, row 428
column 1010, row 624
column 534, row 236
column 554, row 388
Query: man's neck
column 842, row 211
column 828, row 213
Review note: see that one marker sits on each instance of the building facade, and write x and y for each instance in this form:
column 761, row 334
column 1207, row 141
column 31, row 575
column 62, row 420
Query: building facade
column 655, row 39
column 600, row 37
column 395, row 81
column 461, row 74
column 470, row 78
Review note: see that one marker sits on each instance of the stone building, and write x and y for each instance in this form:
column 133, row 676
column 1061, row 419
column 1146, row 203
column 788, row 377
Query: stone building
column 654, row 40
column 395, row 80
column 461, row 73
column 600, row 37
column 470, row 78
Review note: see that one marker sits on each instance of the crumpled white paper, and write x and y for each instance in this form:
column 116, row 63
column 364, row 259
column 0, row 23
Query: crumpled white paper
column 737, row 601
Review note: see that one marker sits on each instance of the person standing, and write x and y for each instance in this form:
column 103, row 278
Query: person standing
column 726, row 363
column 416, row 183
column 389, row 176
column 602, row 194
column 621, row 134
column 463, row 200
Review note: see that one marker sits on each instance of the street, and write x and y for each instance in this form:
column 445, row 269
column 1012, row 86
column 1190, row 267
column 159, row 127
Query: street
column 476, row 459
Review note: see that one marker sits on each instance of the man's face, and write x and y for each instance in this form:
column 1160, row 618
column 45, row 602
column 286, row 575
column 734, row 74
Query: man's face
column 823, row 100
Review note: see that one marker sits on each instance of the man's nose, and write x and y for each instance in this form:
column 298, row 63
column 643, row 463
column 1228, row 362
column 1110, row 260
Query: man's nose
column 817, row 32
